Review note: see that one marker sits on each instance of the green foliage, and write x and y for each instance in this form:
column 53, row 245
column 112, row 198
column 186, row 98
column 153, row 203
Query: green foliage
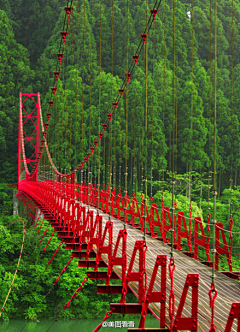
column 32, row 295
column 182, row 202
column 6, row 197
column 69, row 138
column 15, row 75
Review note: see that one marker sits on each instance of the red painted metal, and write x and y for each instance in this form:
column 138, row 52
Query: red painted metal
column 68, row 10
column 60, row 57
column 154, row 13
column 48, row 116
column 230, row 242
column 114, row 203
column 221, row 250
column 56, row 73
column 62, row 212
column 49, row 241
column 108, row 315
column 117, row 258
column 212, row 297
column 75, row 224
column 25, row 138
column 104, row 126
column 140, row 276
column 111, row 289
column 157, row 296
column 115, row 103
column 120, row 206
column 135, row 212
column 50, row 261
column 105, row 248
column 144, row 216
column 135, row 58
column 44, row 233
column 171, row 307
column 183, row 234
column 155, row 220
column 121, row 91
column 51, row 102
column 233, row 314
column 190, row 220
column 126, row 308
column 63, row 270
column 188, row 323
column 200, row 242
column 165, row 214
column 87, row 231
column 128, row 76
column 64, row 35
column 54, row 89
column 144, row 37
column 135, row 276
column 153, row 329
column 75, row 293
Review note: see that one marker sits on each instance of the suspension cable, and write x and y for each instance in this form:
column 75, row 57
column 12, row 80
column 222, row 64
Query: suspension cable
column 153, row 105
column 83, row 72
column 209, row 128
column 173, row 127
column 57, row 136
column 75, row 163
column 134, row 130
column 114, row 149
column 176, row 111
column 126, row 141
column 164, row 85
column 231, row 177
column 63, row 98
column 191, row 124
column 144, row 96
column 15, row 273
column 70, row 150
column 120, row 144
column 146, row 113
column 140, row 46
column 110, row 143
column 65, row 107
column 191, row 129
column 90, row 112
column 90, row 92
column 215, row 137
column 99, row 110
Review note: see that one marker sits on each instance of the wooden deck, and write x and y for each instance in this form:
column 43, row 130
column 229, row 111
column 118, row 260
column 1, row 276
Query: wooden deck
column 228, row 289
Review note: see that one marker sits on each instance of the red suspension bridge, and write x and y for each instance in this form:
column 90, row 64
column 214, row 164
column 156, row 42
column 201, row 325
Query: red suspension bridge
column 158, row 253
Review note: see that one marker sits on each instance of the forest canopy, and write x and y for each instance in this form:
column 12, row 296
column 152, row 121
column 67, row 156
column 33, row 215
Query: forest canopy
column 28, row 59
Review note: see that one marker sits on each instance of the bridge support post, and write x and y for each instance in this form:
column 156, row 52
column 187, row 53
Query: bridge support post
column 221, row 250
column 28, row 134
column 183, row 233
column 234, row 313
column 188, row 323
column 157, row 296
column 202, row 241
column 102, row 248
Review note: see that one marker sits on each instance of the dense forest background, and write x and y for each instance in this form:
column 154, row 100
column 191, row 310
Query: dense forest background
column 29, row 41
column 29, row 45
